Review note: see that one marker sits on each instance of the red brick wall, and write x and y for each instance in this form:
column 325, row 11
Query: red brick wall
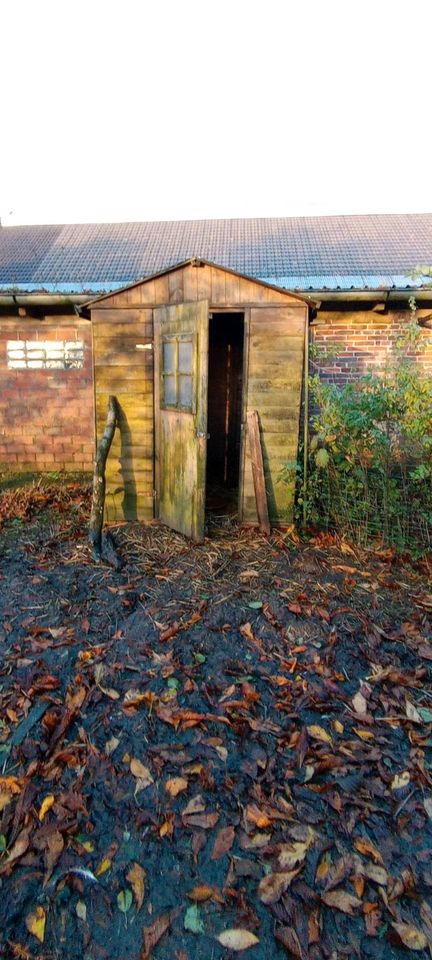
column 46, row 416
column 364, row 342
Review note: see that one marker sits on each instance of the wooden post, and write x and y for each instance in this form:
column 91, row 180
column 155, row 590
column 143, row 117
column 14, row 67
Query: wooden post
column 258, row 471
column 98, row 499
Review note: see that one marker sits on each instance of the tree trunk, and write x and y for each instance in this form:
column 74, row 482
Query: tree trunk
column 98, row 500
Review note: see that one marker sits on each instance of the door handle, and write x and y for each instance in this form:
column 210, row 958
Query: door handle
column 203, row 436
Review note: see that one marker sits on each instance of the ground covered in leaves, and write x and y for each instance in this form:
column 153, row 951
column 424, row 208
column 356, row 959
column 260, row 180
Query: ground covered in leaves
column 216, row 749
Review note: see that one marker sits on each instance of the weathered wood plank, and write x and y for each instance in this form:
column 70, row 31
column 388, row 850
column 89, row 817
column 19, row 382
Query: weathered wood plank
column 258, row 471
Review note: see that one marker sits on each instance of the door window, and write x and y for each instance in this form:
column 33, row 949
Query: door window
column 177, row 372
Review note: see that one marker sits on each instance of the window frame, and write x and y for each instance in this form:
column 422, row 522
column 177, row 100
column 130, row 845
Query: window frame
column 176, row 373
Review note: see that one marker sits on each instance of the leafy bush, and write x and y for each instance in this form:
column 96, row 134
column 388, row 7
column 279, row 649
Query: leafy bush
column 370, row 456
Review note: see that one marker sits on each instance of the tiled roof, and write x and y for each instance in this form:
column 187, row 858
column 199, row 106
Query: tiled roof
column 299, row 253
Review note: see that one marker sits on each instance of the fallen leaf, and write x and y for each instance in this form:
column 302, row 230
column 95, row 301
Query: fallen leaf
column 293, row 853
column 124, row 900
column 136, row 876
column 111, row 745
column 18, row 850
column 176, row 785
column 412, row 713
column 154, row 933
column 345, row 902
column 365, row 846
column 318, row 733
column 359, row 703
column 192, row 920
column 81, row 910
column 196, row 805
column 237, row 939
column 290, row 940
column 411, row 936
column 274, row 885
column 142, row 774
column 35, row 923
column 400, row 780
column 201, row 893
column 103, row 866
column 46, row 805
column 204, row 820
column 223, row 842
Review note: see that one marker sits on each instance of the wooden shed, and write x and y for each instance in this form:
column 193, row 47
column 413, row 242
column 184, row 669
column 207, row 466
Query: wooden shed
column 187, row 353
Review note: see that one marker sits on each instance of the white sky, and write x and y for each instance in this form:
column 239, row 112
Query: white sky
column 132, row 110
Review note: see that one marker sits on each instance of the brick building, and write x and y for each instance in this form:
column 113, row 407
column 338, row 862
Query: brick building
column 355, row 269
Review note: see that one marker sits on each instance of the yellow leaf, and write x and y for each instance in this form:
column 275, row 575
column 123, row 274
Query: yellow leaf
column 318, row 733
column 103, row 867
column 46, row 805
column 338, row 726
column 411, row 936
column 88, row 846
column 136, row 876
column 176, row 785
column 363, row 734
column 237, row 939
column 365, row 846
column 35, row 923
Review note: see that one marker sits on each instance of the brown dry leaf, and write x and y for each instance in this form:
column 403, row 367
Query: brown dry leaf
column 154, row 933
column 365, row 846
column 196, row 805
column 46, row 805
column 412, row 713
column 201, row 893
column 290, row 940
column 237, row 939
column 411, row 936
column 18, row 850
column 223, row 842
column 339, row 900
column 318, row 733
column 293, row 853
column 254, row 815
column 274, row 885
column 359, row 703
column 136, row 876
column 141, row 772
column 35, row 923
column 204, row 820
column 75, row 699
column 364, row 734
column 111, row 745
column 176, row 785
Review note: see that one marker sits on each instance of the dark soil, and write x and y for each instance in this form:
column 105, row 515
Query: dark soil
column 283, row 689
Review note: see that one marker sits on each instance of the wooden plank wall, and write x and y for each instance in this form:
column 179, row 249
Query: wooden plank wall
column 126, row 372
column 275, row 370
column 274, row 363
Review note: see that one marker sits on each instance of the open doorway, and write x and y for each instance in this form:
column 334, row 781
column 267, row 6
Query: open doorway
column 225, row 383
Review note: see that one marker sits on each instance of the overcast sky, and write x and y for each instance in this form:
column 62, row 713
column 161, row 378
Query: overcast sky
column 180, row 110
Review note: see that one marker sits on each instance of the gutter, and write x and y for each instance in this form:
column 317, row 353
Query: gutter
column 42, row 299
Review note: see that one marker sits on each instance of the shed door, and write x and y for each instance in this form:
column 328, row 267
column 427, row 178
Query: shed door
column 181, row 378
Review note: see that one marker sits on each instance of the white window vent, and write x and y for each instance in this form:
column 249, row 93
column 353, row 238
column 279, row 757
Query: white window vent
column 45, row 354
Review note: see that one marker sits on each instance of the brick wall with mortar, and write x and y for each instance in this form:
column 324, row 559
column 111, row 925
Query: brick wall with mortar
column 362, row 342
column 46, row 415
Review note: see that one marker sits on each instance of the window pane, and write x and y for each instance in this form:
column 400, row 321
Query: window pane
column 185, row 391
column 185, row 356
column 169, row 356
column 169, row 390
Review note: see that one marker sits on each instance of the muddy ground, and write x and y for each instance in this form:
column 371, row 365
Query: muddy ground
column 231, row 736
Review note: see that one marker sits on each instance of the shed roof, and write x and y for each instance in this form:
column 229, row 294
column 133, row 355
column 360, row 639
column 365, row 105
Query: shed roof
column 296, row 253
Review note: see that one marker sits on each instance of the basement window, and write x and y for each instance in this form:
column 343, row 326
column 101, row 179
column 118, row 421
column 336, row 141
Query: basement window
column 45, row 354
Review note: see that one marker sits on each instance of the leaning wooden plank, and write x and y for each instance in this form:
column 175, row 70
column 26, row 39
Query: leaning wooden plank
column 258, row 471
column 98, row 500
